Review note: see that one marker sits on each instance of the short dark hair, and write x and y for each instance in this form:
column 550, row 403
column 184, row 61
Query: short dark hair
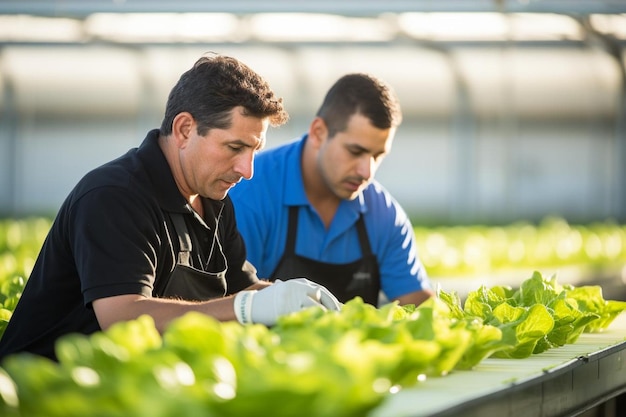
column 363, row 94
column 213, row 87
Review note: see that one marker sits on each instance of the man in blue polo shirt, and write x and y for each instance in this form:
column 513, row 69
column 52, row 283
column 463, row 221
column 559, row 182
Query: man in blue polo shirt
column 313, row 208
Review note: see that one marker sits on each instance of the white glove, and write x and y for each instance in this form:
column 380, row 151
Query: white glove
column 283, row 297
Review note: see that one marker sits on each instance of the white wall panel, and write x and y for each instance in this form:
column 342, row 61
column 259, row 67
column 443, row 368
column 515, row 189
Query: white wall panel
column 488, row 134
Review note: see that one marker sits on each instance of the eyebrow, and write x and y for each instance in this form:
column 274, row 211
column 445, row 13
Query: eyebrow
column 241, row 142
column 356, row 146
column 362, row 149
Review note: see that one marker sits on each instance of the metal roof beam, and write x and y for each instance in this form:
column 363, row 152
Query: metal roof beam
column 82, row 8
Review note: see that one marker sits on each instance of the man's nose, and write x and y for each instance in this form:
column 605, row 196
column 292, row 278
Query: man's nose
column 367, row 167
column 244, row 165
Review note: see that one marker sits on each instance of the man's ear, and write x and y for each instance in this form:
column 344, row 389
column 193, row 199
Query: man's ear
column 182, row 128
column 318, row 131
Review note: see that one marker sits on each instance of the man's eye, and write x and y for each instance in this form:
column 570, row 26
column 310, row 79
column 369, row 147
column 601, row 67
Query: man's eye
column 236, row 148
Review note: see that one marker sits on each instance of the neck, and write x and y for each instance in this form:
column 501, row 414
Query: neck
column 171, row 156
column 196, row 203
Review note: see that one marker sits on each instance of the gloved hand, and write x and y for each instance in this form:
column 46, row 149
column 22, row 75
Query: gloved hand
column 282, row 297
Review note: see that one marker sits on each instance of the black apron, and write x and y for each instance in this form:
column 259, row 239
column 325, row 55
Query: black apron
column 186, row 282
column 346, row 281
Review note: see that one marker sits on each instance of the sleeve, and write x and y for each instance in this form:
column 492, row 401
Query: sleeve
column 401, row 270
column 253, row 224
column 241, row 273
column 115, row 243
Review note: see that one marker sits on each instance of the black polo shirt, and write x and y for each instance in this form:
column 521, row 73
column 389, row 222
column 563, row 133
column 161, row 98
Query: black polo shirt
column 112, row 236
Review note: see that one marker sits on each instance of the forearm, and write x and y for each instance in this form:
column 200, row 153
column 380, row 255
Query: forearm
column 264, row 305
column 162, row 310
column 416, row 297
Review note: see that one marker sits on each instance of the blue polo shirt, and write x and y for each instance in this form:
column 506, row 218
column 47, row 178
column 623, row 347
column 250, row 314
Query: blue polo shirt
column 262, row 209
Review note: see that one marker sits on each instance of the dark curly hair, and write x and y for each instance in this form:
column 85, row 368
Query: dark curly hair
column 213, row 87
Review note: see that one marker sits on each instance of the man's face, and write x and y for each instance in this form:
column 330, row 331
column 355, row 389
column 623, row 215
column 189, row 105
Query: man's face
column 214, row 163
column 348, row 161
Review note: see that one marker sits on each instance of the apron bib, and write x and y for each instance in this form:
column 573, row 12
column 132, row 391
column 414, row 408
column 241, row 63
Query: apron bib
column 346, row 281
column 186, row 282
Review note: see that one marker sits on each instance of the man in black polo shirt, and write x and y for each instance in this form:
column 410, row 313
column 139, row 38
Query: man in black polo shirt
column 153, row 231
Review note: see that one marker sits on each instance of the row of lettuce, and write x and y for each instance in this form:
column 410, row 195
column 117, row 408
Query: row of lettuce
column 457, row 251
column 312, row 363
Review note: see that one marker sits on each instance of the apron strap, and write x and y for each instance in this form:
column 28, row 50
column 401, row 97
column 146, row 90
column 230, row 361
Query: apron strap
column 363, row 238
column 292, row 231
column 183, row 238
